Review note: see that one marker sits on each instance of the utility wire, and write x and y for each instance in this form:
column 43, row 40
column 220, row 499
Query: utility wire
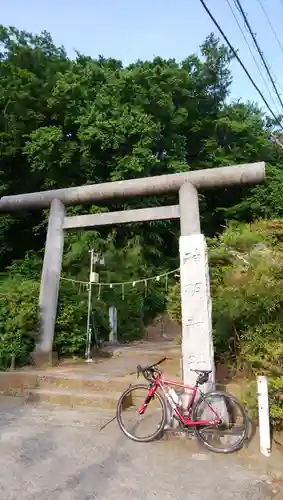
column 239, row 5
column 270, row 69
column 270, row 24
column 240, row 62
column 252, row 54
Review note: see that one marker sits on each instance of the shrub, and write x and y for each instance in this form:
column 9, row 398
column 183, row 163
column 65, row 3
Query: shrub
column 174, row 303
column 18, row 320
column 275, row 389
column 246, row 268
column 70, row 331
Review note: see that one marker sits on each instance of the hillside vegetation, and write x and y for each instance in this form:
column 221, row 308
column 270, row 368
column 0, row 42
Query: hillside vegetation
column 246, row 265
column 69, row 122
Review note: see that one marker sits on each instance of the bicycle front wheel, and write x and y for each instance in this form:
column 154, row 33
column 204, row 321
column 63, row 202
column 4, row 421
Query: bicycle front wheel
column 232, row 432
column 141, row 428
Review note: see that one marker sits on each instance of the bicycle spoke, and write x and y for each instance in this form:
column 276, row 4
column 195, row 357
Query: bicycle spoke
column 230, row 434
column 141, row 427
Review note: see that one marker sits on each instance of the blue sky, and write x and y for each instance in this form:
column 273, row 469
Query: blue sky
column 131, row 29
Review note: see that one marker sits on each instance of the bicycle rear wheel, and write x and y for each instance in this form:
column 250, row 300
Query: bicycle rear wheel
column 230, row 435
column 141, row 428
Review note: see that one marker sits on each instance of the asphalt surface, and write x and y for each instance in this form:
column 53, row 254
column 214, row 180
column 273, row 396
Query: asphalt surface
column 53, row 453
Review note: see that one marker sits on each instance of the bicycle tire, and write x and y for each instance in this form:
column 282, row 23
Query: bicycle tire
column 161, row 426
column 240, row 442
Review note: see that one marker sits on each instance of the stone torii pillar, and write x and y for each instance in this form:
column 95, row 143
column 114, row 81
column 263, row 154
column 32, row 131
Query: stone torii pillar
column 197, row 341
column 197, row 346
column 50, row 281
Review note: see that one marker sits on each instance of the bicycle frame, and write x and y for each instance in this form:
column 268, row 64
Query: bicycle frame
column 162, row 384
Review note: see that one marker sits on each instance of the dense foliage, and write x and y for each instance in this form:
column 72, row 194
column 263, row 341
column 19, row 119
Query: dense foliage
column 18, row 320
column 68, row 122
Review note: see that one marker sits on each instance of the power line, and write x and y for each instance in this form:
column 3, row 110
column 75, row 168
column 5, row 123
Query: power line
column 270, row 69
column 238, row 3
column 270, row 24
column 251, row 52
column 240, row 62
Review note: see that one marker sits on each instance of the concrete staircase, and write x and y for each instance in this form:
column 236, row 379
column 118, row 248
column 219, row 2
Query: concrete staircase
column 95, row 385
column 76, row 390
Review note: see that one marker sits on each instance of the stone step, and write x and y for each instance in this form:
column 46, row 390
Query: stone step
column 85, row 384
column 71, row 398
column 15, row 383
column 156, row 351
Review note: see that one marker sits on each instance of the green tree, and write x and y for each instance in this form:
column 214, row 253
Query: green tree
column 66, row 122
column 29, row 66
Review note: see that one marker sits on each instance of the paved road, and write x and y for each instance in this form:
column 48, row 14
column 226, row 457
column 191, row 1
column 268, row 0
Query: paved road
column 53, row 453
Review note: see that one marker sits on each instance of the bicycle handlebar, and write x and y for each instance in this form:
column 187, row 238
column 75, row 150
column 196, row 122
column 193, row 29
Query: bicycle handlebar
column 149, row 371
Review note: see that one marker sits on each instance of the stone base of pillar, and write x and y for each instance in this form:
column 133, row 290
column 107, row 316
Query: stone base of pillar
column 44, row 360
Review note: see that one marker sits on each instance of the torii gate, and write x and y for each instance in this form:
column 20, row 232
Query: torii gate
column 197, row 343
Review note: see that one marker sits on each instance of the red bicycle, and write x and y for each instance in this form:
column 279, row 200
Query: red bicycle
column 215, row 416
